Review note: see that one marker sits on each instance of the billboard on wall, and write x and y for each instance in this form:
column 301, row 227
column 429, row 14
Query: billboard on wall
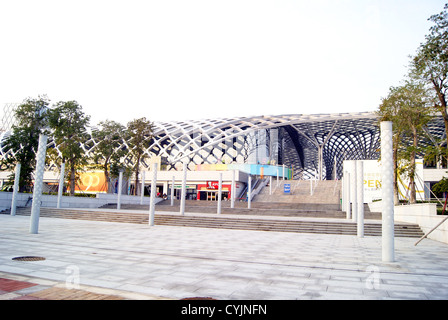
column 372, row 181
column 91, row 182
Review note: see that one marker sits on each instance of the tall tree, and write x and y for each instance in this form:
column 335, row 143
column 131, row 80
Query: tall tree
column 109, row 151
column 430, row 64
column 407, row 106
column 389, row 110
column 69, row 125
column 139, row 133
column 415, row 113
column 31, row 119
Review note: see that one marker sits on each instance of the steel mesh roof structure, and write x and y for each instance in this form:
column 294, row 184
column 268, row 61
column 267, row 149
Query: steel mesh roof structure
column 312, row 145
column 307, row 143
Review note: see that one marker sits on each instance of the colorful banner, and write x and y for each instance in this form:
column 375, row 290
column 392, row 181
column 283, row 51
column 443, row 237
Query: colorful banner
column 372, row 181
column 254, row 169
column 91, row 182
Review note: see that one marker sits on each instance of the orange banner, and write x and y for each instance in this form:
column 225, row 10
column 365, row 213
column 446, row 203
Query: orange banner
column 91, row 182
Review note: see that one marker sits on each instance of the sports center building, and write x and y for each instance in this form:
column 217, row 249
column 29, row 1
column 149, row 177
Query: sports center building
column 296, row 146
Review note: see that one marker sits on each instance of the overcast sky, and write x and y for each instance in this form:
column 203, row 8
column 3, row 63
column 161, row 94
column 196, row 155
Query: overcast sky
column 194, row 59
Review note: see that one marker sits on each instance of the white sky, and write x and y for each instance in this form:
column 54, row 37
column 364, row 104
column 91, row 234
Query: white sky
column 194, row 59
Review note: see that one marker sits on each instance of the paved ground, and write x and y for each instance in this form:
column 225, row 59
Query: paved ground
column 104, row 260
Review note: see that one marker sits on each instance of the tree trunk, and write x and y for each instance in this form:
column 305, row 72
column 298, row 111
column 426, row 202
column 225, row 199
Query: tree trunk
column 396, row 196
column 72, row 178
column 106, row 176
column 137, row 170
column 413, row 198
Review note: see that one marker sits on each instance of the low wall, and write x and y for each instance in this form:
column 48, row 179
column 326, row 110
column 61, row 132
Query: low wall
column 125, row 199
column 50, row 201
column 425, row 215
column 6, row 199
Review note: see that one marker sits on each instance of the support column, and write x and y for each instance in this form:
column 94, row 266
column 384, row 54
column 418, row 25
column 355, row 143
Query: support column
column 120, row 186
column 354, row 194
column 219, row 193
column 347, row 198
column 183, row 193
column 38, row 183
column 152, row 203
column 320, row 150
column 16, row 190
column 172, row 191
column 61, row 185
column 360, row 183
column 344, row 196
column 142, row 191
column 270, row 185
column 233, row 191
column 387, row 186
column 249, row 191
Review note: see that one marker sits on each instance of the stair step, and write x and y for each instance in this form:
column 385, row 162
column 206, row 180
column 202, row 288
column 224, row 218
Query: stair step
column 257, row 224
column 325, row 192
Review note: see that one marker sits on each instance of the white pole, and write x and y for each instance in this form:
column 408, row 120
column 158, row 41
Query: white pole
column 277, row 177
column 387, row 186
column 16, row 190
column 283, row 173
column 61, row 185
column 360, row 183
column 347, row 198
column 183, row 194
column 120, row 182
column 354, row 193
column 343, row 191
column 142, row 191
column 249, row 192
column 219, row 193
column 172, row 191
column 270, row 185
column 233, row 190
column 152, row 203
column 38, row 183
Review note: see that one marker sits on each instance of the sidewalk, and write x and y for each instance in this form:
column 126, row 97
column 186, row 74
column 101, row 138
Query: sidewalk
column 17, row 287
column 130, row 261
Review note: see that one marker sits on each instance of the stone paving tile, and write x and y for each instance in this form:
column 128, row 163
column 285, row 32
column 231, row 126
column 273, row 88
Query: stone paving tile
column 10, row 296
column 173, row 262
column 9, row 285
column 20, row 290
column 56, row 293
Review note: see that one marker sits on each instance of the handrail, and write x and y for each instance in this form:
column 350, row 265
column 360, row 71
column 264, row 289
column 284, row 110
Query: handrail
column 259, row 184
column 420, row 180
column 335, row 186
column 295, row 186
column 427, row 234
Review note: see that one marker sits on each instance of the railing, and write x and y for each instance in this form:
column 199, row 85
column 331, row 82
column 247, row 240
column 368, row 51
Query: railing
column 441, row 222
column 429, row 232
column 257, row 187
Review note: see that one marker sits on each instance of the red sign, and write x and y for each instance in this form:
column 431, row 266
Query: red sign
column 213, row 185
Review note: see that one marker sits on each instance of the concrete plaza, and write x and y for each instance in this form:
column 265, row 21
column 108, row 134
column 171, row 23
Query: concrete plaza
column 182, row 262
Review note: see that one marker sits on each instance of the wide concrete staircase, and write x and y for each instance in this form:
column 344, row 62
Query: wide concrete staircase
column 283, row 209
column 248, row 222
column 302, row 191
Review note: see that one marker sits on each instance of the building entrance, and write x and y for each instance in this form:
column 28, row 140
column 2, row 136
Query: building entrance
column 211, row 195
column 191, row 194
